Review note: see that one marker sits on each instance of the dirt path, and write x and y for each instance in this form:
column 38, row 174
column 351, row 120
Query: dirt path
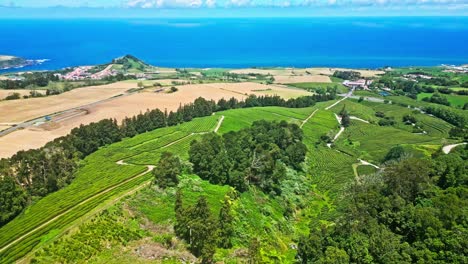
column 149, row 169
column 219, row 124
column 339, row 101
column 342, row 128
column 448, row 148
column 307, row 119
column 363, row 162
column 359, row 119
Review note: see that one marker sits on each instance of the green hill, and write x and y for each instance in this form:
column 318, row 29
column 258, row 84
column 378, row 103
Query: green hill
column 130, row 63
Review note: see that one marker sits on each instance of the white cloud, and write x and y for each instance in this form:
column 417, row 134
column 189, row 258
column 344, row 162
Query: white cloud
column 286, row 3
column 210, row 3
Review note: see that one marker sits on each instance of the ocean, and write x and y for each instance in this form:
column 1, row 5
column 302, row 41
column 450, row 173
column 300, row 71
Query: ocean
column 241, row 42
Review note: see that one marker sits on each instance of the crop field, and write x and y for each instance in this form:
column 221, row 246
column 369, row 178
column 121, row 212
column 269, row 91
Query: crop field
column 365, row 170
column 286, row 79
column 247, row 88
column 372, row 142
column 319, row 85
column 322, row 123
column 23, row 110
column 454, row 100
column 432, row 125
column 239, row 118
column 354, row 108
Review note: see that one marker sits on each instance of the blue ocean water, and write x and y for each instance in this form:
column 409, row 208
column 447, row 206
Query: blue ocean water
column 234, row 43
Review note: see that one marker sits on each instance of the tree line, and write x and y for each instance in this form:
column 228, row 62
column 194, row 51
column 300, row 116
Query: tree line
column 38, row 79
column 414, row 212
column 31, row 174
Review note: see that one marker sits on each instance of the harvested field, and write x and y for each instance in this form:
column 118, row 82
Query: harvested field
column 2, row 127
column 23, row 110
column 119, row 108
column 302, row 79
column 306, row 71
column 5, row 93
column 273, row 71
column 256, row 88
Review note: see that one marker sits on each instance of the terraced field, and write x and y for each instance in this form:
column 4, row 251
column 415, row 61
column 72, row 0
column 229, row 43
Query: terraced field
column 372, row 142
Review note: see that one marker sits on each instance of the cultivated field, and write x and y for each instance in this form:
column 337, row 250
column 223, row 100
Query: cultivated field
column 302, row 79
column 308, row 71
column 23, row 110
column 5, row 93
column 119, row 108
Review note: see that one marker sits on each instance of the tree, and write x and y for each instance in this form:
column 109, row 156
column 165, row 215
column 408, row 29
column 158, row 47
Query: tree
column 197, row 227
column 408, row 178
column 226, row 224
column 395, row 153
column 12, row 199
column 167, row 170
column 345, row 119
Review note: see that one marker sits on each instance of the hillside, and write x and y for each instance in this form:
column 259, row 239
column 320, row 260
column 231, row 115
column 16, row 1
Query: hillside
column 130, row 63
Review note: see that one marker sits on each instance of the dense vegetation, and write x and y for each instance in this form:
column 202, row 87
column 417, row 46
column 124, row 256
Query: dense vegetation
column 35, row 79
column 252, row 156
column 347, row 75
column 411, row 213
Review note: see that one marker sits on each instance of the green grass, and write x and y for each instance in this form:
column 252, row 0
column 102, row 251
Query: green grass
column 433, row 126
column 239, row 118
column 372, row 142
column 360, row 110
column 454, row 100
column 368, row 94
column 314, row 86
column 365, row 170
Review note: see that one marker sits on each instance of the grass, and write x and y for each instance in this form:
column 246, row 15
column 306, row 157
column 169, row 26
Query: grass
column 360, row 110
column 433, row 126
column 454, row 100
column 314, row 86
column 365, row 170
column 372, row 142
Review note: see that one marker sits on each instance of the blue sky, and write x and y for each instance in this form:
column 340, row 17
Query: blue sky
column 10, row 8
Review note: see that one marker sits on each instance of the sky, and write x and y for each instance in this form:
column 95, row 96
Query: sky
column 13, row 8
